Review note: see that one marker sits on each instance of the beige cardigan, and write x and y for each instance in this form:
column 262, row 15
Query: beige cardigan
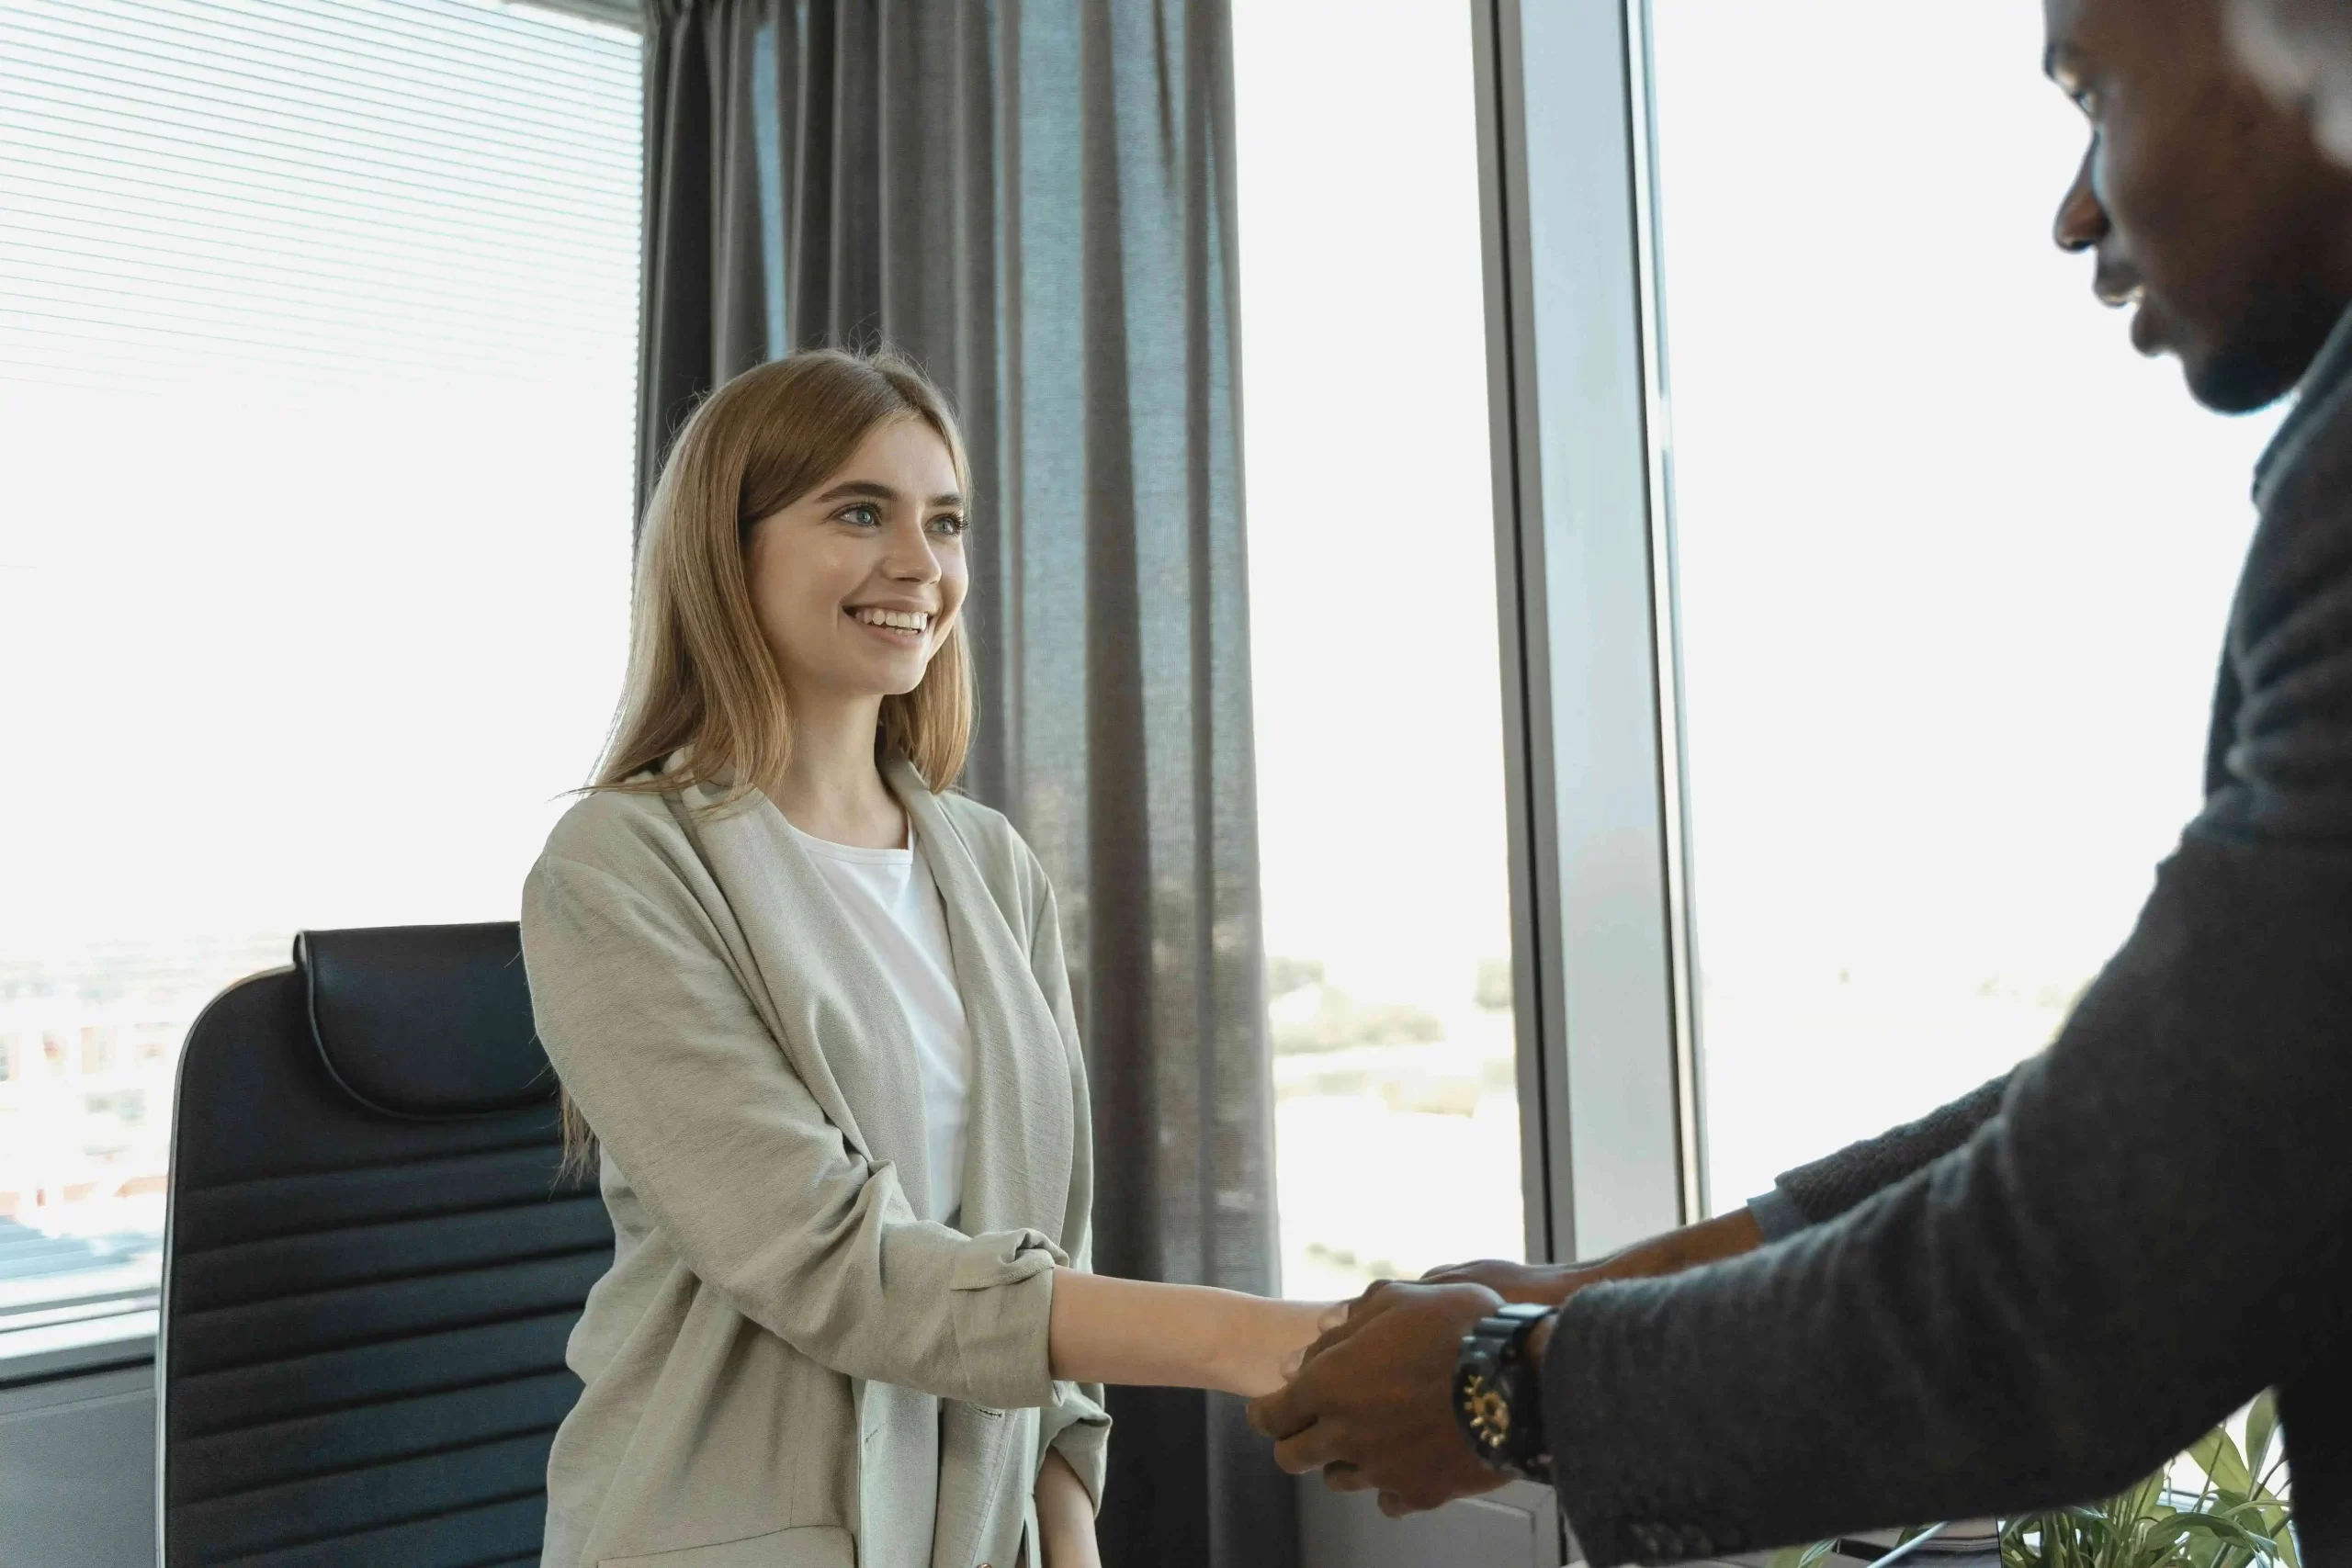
column 789, row 1366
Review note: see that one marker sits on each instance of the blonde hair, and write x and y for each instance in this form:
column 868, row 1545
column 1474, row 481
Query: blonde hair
column 702, row 680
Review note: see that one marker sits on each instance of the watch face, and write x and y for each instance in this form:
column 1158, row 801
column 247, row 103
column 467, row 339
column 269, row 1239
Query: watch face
column 1485, row 1411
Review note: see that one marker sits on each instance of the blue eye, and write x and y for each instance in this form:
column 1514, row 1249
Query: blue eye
column 863, row 515
column 949, row 523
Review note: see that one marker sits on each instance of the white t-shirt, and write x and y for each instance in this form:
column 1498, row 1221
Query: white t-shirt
column 894, row 905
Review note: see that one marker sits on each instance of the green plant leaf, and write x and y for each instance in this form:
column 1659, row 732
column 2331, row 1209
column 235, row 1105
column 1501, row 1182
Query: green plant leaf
column 1802, row 1556
column 2225, row 1531
column 2218, row 1457
column 2261, row 1426
column 2232, row 1522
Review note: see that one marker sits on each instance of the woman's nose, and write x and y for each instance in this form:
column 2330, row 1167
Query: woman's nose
column 911, row 558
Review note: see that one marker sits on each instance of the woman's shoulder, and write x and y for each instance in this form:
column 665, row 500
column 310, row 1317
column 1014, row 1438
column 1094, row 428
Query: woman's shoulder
column 977, row 823
column 989, row 832
column 1003, row 855
column 616, row 831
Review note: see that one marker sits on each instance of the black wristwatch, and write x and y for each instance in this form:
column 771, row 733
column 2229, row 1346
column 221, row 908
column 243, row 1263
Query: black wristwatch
column 1499, row 1392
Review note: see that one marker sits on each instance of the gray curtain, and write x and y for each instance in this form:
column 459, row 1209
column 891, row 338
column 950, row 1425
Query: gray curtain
column 1035, row 200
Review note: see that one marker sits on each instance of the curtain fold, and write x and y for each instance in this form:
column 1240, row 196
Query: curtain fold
column 1035, row 200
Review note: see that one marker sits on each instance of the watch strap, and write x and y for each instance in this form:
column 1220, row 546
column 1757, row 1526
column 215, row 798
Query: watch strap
column 1499, row 1393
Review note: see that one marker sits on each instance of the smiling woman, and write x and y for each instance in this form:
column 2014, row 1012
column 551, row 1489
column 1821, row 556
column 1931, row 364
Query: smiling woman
column 857, row 586
column 812, row 1009
column 804, row 473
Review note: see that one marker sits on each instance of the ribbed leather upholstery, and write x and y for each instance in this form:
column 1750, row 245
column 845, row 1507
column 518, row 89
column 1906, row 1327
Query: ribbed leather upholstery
column 365, row 1309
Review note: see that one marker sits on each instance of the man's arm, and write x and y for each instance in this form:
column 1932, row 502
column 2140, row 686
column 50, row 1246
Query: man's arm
column 1813, row 1194
column 1808, row 1195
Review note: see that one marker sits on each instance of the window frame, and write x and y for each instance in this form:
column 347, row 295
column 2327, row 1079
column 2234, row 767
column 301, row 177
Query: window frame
column 1612, row 1145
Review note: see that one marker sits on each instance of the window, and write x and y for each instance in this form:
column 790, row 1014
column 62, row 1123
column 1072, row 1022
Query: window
column 1380, row 750
column 317, row 368
column 1953, row 564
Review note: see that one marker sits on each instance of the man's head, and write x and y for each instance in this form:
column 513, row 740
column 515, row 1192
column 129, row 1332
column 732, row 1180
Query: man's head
column 2204, row 200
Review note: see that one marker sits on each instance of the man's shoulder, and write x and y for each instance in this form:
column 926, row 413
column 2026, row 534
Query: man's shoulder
column 2282, row 760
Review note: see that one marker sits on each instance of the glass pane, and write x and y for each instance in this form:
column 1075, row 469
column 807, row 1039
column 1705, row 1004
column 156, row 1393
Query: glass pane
column 1379, row 712
column 317, row 385
column 1953, row 563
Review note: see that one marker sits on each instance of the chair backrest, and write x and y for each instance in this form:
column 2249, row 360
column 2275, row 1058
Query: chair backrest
column 371, row 1263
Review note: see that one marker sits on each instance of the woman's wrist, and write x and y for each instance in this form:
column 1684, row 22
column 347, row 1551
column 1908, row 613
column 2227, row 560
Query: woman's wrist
column 1258, row 1339
column 1109, row 1330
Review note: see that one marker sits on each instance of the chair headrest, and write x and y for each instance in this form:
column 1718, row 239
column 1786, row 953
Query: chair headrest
column 425, row 1020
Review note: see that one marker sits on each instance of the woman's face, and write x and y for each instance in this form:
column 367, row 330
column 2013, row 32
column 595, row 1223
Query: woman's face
column 857, row 584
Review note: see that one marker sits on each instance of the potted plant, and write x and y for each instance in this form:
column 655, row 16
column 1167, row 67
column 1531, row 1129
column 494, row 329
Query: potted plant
column 2238, row 1514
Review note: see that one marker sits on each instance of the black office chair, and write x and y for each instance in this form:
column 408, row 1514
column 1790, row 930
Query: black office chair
column 370, row 1264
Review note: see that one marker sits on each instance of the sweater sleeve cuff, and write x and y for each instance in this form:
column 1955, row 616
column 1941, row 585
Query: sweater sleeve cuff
column 1775, row 1214
column 1082, row 1435
column 1001, row 1302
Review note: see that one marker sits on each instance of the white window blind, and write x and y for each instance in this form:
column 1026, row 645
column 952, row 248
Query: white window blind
column 318, row 325
column 417, row 185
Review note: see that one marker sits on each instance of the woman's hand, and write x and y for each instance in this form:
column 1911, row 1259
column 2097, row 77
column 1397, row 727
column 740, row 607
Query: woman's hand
column 1270, row 1338
column 1065, row 1518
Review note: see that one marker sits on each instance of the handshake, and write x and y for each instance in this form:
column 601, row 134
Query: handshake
column 1370, row 1403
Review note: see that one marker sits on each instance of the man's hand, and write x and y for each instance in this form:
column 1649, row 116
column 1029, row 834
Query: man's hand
column 1551, row 1284
column 1539, row 1284
column 1373, row 1406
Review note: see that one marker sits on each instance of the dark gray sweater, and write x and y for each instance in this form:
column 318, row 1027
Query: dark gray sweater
column 2038, row 1294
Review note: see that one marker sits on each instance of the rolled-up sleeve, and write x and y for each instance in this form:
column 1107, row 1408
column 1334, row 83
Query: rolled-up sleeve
column 766, row 1199
column 1077, row 1428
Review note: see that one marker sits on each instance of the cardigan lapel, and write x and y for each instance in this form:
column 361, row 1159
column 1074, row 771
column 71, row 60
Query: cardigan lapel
column 842, row 1028
column 1020, row 1138
column 839, row 1021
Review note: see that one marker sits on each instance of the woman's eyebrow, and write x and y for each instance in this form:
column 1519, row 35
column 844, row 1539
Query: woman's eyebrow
column 868, row 489
column 864, row 490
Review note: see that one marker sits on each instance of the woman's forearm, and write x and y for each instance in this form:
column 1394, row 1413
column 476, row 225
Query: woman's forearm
column 1065, row 1516
column 1136, row 1332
